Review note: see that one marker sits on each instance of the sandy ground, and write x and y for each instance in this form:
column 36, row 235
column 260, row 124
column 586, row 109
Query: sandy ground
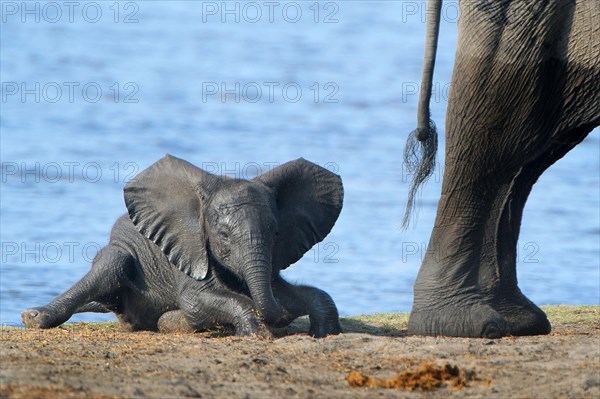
column 100, row 360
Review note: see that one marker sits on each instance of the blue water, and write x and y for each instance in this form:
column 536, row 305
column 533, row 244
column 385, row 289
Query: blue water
column 67, row 154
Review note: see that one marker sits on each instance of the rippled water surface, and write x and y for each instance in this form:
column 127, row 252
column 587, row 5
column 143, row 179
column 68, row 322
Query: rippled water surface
column 337, row 88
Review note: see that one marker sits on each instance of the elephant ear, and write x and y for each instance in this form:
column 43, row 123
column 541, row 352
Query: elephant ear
column 309, row 200
column 164, row 203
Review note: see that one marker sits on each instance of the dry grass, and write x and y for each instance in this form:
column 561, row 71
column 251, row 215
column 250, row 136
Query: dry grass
column 588, row 315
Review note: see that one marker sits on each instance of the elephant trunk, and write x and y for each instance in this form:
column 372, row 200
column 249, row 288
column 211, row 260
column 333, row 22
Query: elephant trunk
column 257, row 274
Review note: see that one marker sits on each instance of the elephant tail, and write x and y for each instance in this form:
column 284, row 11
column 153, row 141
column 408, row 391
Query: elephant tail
column 421, row 146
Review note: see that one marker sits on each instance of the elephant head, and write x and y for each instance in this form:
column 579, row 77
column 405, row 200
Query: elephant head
column 253, row 228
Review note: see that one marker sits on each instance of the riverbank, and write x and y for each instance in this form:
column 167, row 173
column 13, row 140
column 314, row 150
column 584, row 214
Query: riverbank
column 100, row 360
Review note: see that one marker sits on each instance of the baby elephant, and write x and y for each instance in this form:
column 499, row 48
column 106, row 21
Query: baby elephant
column 199, row 250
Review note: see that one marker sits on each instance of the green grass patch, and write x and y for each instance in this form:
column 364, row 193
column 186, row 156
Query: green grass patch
column 573, row 314
column 393, row 324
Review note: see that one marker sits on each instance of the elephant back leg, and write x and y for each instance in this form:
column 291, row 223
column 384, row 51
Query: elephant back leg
column 497, row 274
column 558, row 93
column 300, row 300
column 94, row 292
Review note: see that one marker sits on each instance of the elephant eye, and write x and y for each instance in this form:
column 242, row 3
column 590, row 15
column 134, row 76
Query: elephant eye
column 224, row 235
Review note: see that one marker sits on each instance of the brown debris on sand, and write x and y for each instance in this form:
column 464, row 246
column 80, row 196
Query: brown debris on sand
column 428, row 376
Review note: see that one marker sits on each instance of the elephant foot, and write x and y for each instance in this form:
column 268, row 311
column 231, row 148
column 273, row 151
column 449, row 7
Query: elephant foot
column 476, row 320
column 41, row 317
column 522, row 316
column 252, row 326
column 174, row 321
column 323, row 329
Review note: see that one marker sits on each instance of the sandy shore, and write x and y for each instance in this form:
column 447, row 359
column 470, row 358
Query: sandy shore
column 101, row 360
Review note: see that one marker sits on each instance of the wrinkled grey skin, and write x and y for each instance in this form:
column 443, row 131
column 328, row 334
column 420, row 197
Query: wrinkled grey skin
column 197, row 250
column 525, row 90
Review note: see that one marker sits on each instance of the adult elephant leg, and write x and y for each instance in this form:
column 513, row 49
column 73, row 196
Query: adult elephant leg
column 206, row 304
column 498, row 275
column 447, row 297
column 564, row 109
column 300, row 300
column 106, row 275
